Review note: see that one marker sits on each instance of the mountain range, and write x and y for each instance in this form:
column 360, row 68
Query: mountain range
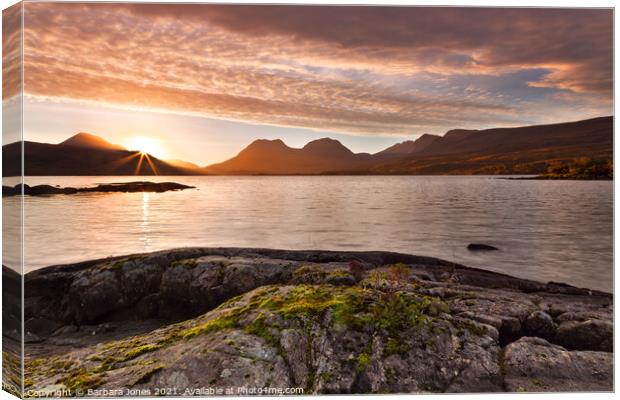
column 520, row 150
column 83, row 154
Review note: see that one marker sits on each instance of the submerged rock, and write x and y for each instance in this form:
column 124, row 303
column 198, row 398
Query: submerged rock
column 253, row 318
column 480, row 247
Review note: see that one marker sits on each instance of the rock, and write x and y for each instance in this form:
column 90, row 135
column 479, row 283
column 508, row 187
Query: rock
column 592, row 334
column 535, row 365
column 480, row 247
column 93, row 294
column 40, row 190
column 294, row 342
column 65, row 329
column 41, row 326
column 257, row 318
column 540, row 324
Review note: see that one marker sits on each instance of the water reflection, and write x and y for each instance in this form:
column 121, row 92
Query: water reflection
column 145, row 236
column 546, row 230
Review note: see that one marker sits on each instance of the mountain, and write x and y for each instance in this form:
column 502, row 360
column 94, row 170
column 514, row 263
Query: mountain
column 84, row 154
column 275, row 157
column 88, row 140
column 520, row 150
column 182, row 164
column 408, row 147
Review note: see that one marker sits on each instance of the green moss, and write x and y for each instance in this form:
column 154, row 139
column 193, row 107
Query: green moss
column 188, row 263
column 308, row 301
column 536, row 382
column 223, row 322
column 435, row 308
column 362, row 362
column 260, row 329
column 393, row 346
column 81, row 379
column 327, row 376
column 304, row 270
column 147, row 348
column 339, row 274
column 399, row 272
column 118, row 264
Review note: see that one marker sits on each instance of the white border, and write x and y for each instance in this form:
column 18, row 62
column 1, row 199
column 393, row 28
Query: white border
column 476, row 3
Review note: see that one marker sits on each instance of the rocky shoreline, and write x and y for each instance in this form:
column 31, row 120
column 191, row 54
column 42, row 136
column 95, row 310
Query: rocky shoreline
column 124, row 187
column 328, row 322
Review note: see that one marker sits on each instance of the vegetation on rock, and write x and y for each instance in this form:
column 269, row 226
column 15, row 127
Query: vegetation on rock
column 582, row 168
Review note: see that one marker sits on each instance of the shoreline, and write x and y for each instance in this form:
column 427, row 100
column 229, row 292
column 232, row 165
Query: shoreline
column 378, row 256
column 385, row 310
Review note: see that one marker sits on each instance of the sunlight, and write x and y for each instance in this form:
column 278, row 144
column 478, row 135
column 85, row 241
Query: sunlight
column 146, row 145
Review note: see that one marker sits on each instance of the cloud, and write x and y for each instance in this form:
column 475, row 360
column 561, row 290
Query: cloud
column 368, row 70
column 11, row 51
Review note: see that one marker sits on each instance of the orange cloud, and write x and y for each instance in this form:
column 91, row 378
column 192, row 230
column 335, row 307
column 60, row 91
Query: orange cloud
column 370, row 70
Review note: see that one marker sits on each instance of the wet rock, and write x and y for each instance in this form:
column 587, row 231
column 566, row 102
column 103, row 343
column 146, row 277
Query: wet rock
column 535, row 365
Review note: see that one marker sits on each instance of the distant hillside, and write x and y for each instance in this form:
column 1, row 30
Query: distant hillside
column 275, row 157
column 84, row 155
column 91, row 141
column 521, row 150
column 408, row 147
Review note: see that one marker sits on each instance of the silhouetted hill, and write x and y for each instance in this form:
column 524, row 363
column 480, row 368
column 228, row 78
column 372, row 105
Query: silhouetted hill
column 88, row 140
column 275, row 157
column 521, row 150
column 59, row 159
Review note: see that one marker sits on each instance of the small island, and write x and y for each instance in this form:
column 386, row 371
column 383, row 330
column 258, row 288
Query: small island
column 125, row 187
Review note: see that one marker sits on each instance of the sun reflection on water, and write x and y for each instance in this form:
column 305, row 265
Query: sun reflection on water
column 145, row 227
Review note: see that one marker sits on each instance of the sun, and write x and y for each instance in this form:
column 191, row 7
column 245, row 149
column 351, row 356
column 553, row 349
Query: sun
column 147, row 145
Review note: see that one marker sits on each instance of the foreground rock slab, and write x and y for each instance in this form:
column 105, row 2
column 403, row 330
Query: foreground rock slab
column 40, row 190
column 533, row 364
column 327, row 322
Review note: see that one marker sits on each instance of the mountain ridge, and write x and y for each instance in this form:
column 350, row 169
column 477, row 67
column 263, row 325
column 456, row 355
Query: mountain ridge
column 517, row 150
column 88, row 140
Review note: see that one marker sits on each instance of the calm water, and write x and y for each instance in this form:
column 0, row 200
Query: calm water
column 546, row 230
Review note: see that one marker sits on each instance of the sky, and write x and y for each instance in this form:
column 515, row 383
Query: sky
column 206, row 80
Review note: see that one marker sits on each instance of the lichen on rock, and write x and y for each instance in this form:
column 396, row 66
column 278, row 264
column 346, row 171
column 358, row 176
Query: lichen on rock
column 329, row 322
